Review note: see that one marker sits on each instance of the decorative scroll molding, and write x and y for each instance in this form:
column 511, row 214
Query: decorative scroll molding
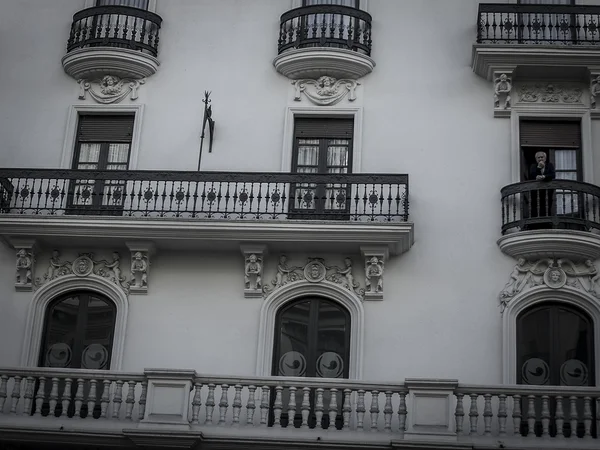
column 314, row 271
column 140, row 266
column 325, row 90
column 110, row 89
column 84, row 266
column 253, row 269
column 553, row 273
column 550, row 93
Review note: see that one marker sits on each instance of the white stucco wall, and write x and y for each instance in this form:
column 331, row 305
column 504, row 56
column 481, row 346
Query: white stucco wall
column 425, row 113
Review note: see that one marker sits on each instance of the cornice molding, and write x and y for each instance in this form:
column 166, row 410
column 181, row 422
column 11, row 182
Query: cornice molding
column 316, row 62
column 96, row 62
column 538, row 244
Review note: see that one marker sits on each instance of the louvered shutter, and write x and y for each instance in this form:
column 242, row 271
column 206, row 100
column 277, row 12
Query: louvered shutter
column 324, row 128
column 550, row 134
column 101, row 128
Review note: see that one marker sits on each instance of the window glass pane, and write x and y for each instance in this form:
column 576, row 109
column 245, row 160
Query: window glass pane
column 331, row 341
column 97, row 334
column 118, row 156
column 573, row 349
column 565, row 159
column 89, row 155
column 61, row 328
column 308, row 154
column 534, row 348
column 291, row 359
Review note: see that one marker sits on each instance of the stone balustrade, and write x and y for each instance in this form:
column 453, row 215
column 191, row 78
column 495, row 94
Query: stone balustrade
column 184, row 401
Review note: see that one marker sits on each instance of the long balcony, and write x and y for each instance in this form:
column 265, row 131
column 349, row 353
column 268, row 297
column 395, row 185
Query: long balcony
column 322, row 40
column 546, row 219
column 525, row 35
column 113, row 40
column 304, row 209
column 181, row 408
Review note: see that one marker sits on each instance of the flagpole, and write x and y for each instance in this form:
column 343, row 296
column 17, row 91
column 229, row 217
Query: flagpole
column 206, row 101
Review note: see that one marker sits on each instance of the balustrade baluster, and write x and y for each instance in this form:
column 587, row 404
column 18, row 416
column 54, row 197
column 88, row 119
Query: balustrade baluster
column 545, row 416
column 210, row 404
column 374, row 410
column 130, row 400
column 251, row 405
column 516, row 415
column 305, row 407
column 319, row 407
column 105, row 399
column 597, row 417
column 573, row 416
column 559, row 416
column 459, row 414
column 16, row 394
column 39, row 397
column 53, row 398
column 487, row 414
column 223, row 404
column 587, row 417
column 29, row 387
column 291, row 406
column 531, row 415
column 360, row 409
column 402, row 414
column 196, row 403
column 388, row 411
column 502, row 414
column 117, row 398
column 237, row 404
column 473, row 414
column 347, row 409
column 333, row 408
column 92, row 397
column 78, row 398
column 264, row 405
column 3, row 390
column 142, row 400
column 277, row 406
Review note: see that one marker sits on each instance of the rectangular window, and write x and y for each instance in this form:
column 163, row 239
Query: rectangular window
column 322, row 146
column 103, row 143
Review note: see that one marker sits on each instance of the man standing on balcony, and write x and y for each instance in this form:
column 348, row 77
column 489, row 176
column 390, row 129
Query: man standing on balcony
column 541, row 200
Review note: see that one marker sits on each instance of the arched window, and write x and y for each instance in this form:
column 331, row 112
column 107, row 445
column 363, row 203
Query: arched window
column 555, row 346
column 312, row 339
column 78, row 332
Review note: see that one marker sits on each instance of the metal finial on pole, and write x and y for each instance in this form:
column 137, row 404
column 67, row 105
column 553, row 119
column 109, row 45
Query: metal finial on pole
column 211, row 126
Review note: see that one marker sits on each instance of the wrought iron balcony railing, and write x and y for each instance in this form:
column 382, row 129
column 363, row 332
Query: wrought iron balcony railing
column 115, row 26
column 326, row 26
column 500, row 23
column 205, row 195
column 558, row 204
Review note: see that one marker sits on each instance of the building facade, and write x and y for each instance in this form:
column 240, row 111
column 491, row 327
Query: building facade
column 209, row 240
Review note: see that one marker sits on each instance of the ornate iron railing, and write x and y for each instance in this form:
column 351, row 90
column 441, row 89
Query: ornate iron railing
column 205, row 195
column 550, row 204
column 115, row 26
column 499, row 23
column 326, row 26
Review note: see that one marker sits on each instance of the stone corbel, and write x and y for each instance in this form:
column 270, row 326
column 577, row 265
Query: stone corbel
column 140, row 266
column 25, row 263
column 503, row 84
column 253, row 269
column 375, row 258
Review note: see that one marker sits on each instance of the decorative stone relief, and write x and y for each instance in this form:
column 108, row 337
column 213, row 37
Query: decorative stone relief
column 140, row 266
column 502, row 89
column 594, row 90
column 314, row 271
column 550, row 93
column 253, row 269
column 110, row 89
column 325, row 91
column 374, row 271
column 83, row 266
column 553, row 273
column 24, row 267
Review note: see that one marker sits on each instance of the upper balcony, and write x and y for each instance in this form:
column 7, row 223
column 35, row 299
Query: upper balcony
column 560, row 38
column 289, row 211
column 322, row 40
column 548, row 219
column 113, row 40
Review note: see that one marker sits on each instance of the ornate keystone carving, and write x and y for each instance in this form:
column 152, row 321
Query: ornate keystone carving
column 502, row 89
column 253, row 269
column 550, row 93
column 24, row 266
column 111, row 89
column 325, row 91
column 84, row 266
column 553, row 273
column 140, row 266
column 315, row 271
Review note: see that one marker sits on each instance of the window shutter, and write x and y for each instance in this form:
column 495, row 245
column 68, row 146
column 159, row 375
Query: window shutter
column 550, row 134
column 105, row 128
column 324, row 128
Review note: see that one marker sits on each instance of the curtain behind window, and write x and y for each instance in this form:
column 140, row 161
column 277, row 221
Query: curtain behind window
column 141, row 4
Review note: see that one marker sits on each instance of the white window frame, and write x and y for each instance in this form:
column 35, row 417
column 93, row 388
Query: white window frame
column 566, row 113
column 66, row 161
column 151, row 5
column 34, row 327
column 288, row 293
column 324, row 112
